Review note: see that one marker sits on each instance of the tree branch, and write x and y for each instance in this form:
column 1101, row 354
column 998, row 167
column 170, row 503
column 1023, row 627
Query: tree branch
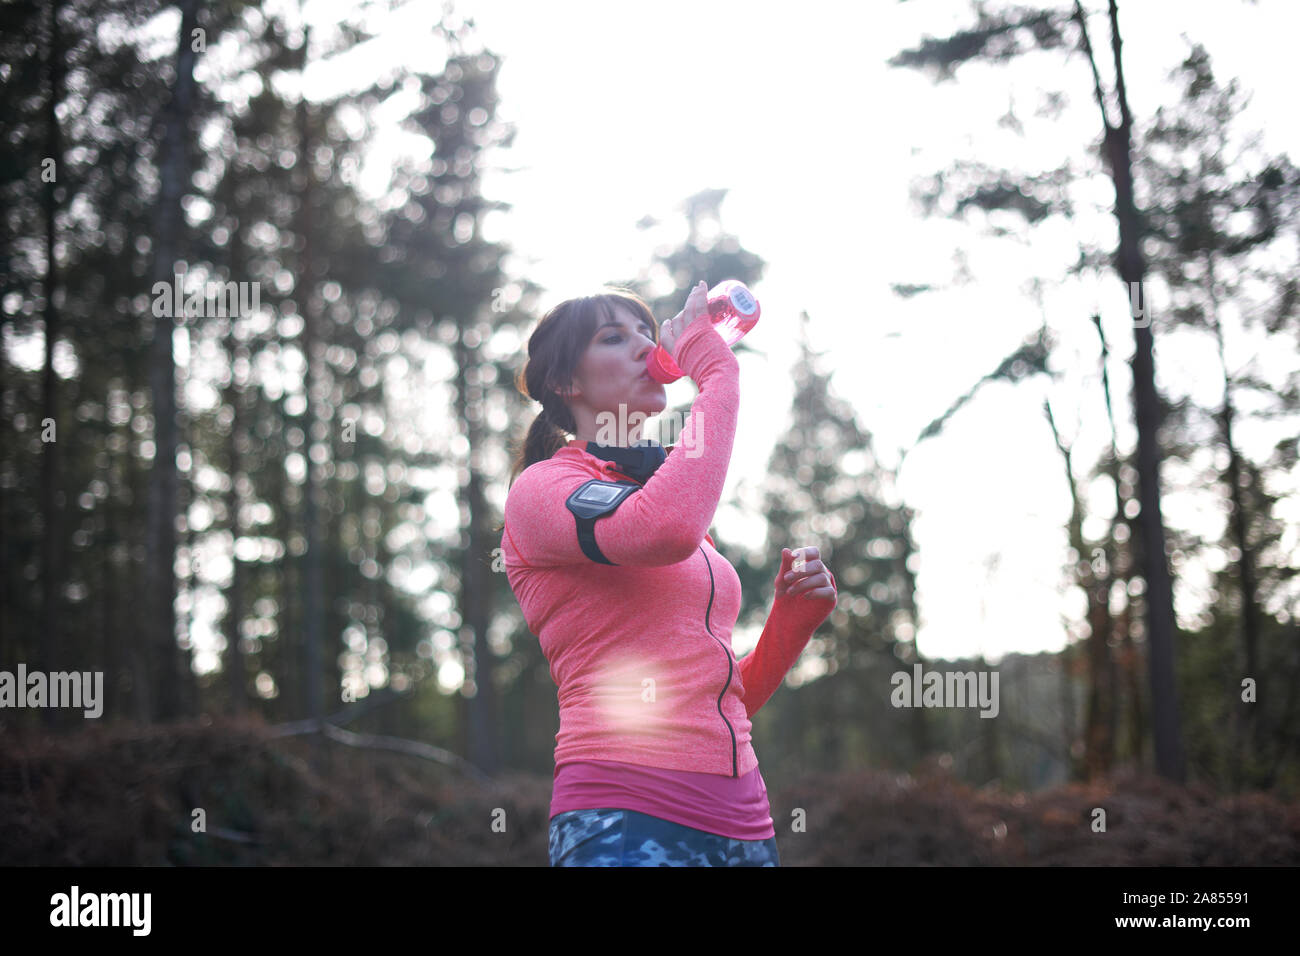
column 1126, row 119
column 411, row 748
column 1080, row 18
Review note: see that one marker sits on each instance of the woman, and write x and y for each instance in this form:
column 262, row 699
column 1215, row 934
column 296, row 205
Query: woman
column 606, row 548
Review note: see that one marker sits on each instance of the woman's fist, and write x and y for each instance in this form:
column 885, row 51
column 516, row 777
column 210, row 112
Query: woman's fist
column 803, row 576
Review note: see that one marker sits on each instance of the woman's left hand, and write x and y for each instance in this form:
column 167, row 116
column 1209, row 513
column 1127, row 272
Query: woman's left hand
column 814, row 582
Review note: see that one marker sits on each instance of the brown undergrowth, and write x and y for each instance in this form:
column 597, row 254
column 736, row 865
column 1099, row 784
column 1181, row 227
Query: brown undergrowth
column 128, row 796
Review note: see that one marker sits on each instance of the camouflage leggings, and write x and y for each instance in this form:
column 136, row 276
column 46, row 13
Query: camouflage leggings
column 628, row 838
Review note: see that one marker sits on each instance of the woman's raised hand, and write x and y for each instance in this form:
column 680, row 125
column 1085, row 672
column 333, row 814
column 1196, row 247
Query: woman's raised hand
column 808, row 578
column 697, row 304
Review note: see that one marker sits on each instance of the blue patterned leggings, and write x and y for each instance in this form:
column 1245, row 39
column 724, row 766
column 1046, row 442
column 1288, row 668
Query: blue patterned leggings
column 628, row 838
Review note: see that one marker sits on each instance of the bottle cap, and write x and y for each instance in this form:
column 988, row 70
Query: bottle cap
column 661, row 367
column 742, row 300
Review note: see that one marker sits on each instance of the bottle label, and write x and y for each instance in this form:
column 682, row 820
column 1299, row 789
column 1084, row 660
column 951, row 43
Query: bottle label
column 743, row 301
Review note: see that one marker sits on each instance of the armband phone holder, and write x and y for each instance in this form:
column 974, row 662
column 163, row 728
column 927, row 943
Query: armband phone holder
column 592, row 500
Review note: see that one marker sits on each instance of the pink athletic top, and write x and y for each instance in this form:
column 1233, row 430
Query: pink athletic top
column 734, row 807
column 640, row 650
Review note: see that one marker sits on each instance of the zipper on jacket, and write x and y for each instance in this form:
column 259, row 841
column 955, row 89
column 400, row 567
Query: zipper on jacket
column 729, row 664
column 611, row 467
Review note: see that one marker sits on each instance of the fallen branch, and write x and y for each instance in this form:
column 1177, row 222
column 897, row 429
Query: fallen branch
column 412, row 748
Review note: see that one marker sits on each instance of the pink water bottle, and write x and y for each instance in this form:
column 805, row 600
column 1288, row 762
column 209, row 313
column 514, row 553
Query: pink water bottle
column 733, row 310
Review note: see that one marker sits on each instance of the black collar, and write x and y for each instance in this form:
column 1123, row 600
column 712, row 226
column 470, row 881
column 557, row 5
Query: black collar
column 637, row 461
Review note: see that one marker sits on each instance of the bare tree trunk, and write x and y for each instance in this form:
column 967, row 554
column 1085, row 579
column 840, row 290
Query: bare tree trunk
column 1121, row 571
column 234, row 658
column 475, row 584
column 1162, row 628
column 1246, row 563
column 990, row 743
column 163, row 481
column 234, row 662
column 1245, row 740
column 1132, row 664
column 1074, row 766
column 136, row 652
column 918, row 723
column 51, row 653
column 1098, row 727
column 1129, row 261
column 292, row 701
column 337, row 499
column 313, row 593
column 111, row 577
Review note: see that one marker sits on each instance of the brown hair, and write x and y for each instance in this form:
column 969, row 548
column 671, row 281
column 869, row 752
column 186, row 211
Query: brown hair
column 554, row 350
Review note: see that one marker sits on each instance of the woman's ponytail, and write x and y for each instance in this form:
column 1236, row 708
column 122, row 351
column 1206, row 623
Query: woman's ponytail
column 546, row 435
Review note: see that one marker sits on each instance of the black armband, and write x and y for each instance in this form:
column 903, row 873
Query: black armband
column 592, row 500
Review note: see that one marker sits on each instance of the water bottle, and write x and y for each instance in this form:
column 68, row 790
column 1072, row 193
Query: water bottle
column 733, row 310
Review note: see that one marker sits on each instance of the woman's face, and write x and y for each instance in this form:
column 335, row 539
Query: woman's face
column 612, row 372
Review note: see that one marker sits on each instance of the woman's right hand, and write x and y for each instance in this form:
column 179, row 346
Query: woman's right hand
column 697, row 305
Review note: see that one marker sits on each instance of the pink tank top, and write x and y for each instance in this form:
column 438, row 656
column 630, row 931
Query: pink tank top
column 734, row 807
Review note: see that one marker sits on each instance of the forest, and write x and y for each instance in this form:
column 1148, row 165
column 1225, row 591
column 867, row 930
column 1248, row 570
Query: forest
column 258, row 423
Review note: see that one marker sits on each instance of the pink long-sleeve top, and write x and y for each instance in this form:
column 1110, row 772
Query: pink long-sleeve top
column 655, row 707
